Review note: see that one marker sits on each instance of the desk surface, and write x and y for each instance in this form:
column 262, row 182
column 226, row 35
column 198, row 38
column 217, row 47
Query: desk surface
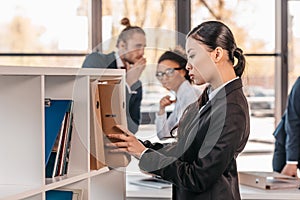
column 140, row 192
column 134, row 192
column 247, row 193
column 147, row 193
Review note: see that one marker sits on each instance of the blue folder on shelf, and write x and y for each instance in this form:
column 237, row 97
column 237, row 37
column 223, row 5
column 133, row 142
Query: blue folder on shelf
column 55, row 111
column 59, row 195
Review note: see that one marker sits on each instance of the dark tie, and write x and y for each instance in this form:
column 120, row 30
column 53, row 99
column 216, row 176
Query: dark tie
column 203, row 99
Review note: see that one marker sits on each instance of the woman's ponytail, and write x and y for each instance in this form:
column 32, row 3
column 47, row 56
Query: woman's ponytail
column 240, row 66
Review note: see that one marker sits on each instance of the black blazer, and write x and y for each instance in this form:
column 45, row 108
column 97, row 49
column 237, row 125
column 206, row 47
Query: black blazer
column 133, row 100
column 202, row 163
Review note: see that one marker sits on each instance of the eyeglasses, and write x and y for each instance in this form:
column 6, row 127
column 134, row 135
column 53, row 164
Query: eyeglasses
column 169, row 73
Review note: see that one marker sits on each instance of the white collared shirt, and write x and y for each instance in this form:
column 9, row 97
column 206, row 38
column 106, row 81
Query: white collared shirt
column 119, row 61
column 185, row 95
column 213, row 93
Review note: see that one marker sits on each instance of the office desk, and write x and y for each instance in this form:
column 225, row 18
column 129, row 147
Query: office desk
column 248, row 193
column 134, row 192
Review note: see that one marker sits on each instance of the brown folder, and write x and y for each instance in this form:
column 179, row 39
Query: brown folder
column 113, row 112
column 267, row 180
column 97, row 156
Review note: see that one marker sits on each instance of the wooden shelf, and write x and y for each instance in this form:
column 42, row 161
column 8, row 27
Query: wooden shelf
column 22, row 116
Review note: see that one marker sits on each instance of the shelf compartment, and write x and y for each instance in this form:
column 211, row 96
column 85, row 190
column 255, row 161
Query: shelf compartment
column 14, row 191
column 21, row 130
column 109, row 186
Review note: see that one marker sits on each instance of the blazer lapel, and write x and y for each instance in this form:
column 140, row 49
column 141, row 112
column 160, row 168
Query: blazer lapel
column 205, row 108
column 220, row 96
column 192, row 131
column 111, row 60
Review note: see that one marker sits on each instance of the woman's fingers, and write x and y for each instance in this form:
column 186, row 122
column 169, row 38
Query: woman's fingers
column 129, row 143
column 123, row 129
column 119, row 150
column 165, row 101
column 123, row 137
column 118, row 144
column 120, row 147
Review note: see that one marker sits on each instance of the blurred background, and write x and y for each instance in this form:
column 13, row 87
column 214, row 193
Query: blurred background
column 60, row 33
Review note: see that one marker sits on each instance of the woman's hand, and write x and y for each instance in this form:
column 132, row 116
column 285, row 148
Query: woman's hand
column 129, row 144
column 163, row 103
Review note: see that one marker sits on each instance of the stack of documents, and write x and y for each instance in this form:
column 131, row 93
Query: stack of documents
column 58, row 134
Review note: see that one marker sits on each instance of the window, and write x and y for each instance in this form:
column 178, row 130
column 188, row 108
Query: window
column 252, row 24
column 253, row 27
column 32, row 29
column 294, row 41
column 157, row 18
column 57, row 33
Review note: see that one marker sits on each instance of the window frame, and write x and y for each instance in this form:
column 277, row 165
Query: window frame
column 183, row 25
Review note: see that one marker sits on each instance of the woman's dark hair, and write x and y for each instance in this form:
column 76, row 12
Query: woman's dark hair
column 177, row 55
column 128, row 31
column 215, row 34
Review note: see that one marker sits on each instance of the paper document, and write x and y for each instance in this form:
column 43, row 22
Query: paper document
column 152, row 182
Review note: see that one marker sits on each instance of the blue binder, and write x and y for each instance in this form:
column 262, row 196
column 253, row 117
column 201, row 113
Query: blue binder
column 54, row 114
column 59, row 195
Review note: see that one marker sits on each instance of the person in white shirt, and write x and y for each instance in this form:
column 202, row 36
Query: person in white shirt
column 173, row 76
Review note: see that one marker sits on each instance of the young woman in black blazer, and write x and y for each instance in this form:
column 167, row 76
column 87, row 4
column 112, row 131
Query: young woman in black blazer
column 212, row 131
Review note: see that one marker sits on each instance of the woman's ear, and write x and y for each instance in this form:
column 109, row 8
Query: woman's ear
column 217, row 54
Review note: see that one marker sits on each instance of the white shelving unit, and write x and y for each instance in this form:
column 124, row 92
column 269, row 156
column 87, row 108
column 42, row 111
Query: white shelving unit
column 22, row 130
